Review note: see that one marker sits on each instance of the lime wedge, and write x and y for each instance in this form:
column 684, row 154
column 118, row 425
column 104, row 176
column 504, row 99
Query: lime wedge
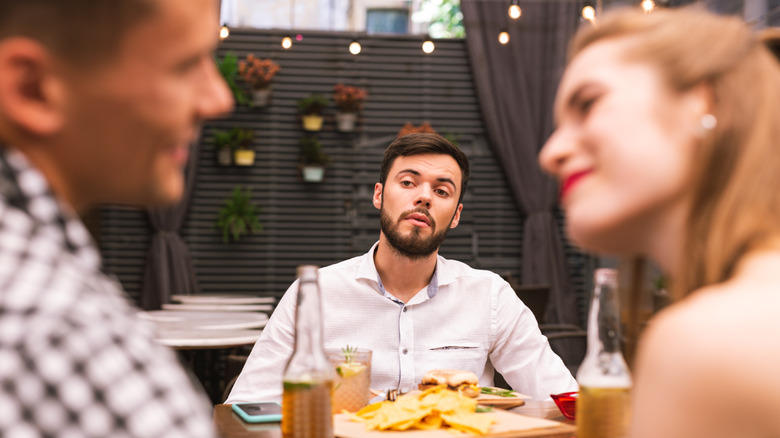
column 349, row 369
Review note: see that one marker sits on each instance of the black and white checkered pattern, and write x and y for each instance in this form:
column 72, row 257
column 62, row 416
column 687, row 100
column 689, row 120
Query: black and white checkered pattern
column 74, row 359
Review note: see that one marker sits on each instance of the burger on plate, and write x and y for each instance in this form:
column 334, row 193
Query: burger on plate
column 462, row 381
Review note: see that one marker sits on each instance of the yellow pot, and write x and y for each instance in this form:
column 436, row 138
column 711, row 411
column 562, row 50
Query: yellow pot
column 312, row 122
column 244, row 157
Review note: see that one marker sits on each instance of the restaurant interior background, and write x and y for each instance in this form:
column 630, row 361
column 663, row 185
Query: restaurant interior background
column 180, row 250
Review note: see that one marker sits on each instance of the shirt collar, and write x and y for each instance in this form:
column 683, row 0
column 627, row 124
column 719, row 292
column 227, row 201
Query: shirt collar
column 23, row 187
column 441, row 275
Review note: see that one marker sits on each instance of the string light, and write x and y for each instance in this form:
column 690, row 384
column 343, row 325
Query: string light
column 514, row 10
column 286, row 42
column 355, row 47
column 224, row 32
column 503, row 37
column 648, row 6
column 428, row 46
column 588, row 12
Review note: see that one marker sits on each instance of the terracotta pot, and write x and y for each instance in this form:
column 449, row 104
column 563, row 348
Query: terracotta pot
column 312, row 122
column 346, row 121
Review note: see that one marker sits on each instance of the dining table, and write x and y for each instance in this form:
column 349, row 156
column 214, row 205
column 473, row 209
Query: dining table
column 230, row 425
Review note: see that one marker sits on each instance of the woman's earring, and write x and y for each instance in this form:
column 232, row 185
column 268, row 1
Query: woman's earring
column 708, row 122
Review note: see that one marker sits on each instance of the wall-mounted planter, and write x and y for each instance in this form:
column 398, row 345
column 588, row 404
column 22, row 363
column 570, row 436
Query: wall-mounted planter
column 313, row 173
column 312, row 122
column 244, row 157
column 345, row 122
column 261, row 97
column 224, row 156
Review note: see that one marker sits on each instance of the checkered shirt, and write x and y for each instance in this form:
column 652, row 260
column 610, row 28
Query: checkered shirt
column 74, row 359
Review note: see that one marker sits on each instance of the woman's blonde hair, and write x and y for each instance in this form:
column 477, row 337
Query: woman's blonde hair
column 736, row 176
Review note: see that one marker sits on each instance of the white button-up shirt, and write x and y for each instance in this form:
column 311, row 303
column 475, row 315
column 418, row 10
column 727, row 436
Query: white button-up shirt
column 465, row 319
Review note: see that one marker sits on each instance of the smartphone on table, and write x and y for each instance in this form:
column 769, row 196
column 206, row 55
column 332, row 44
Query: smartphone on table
column 259, row 412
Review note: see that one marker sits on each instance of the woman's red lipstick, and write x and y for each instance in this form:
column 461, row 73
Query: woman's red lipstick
column 569, row 182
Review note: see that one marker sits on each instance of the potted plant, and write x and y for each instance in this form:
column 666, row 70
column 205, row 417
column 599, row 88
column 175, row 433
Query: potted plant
column 228, row 68
column 311, row 108
column 313, row 159
column 235, row 146
column 258, row 73
column 424, row 128
column 238, row 216
column 349, row 101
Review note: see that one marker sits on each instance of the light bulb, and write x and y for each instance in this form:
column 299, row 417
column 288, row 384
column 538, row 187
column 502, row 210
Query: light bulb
column 286, row 42
column 428, row 46
column 588, row 13
column 515, row 12
column 224, row 32
column 503, row 37
column 354, row 47
column 648, row 5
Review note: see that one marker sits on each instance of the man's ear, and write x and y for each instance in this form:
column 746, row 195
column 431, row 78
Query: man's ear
column 31, row 91
column 456, row 217
column 377, row 200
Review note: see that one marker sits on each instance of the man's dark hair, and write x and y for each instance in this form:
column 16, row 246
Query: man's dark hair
column 417, row 144
column 80, row 31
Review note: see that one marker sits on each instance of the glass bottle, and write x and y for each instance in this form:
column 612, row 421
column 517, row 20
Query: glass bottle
column 603, row 404
column 308, row 378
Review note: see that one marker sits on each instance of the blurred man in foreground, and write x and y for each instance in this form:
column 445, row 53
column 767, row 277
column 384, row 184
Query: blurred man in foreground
column 99, row 102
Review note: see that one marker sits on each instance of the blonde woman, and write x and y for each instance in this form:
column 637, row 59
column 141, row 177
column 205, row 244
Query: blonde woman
column 667, row 146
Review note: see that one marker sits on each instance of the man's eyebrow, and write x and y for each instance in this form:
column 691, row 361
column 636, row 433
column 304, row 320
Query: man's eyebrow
column 416, row 173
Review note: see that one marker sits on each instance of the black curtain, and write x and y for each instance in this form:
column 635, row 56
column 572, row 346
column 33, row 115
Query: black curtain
column 516, row 86
column 168, row 265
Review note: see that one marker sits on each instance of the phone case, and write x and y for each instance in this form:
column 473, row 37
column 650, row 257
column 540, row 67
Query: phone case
column 261, row 418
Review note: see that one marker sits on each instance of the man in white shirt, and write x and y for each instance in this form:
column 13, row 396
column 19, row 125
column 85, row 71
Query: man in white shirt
column 413, row 308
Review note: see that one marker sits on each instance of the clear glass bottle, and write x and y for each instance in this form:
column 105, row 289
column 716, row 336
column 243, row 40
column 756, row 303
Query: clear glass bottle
column 308, row 378
column 603, row 403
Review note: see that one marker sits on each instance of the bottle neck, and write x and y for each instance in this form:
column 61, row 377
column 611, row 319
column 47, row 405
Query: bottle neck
column 604, row 332
column 308, row 319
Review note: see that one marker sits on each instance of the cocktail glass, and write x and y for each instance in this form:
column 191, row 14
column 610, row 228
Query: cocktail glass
column 351, row 388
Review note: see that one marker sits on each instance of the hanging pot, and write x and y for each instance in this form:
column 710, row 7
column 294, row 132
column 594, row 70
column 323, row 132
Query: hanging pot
column 261, row 97
column 312, row 122
column 313, row 173
column 346, row 121
column 224, row 156
column 244, row 157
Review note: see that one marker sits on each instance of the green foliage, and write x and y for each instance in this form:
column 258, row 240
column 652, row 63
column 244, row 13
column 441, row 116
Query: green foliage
column 445, row 18
column 312, row 153
column 228, row 67
column 238, row 216
column 312, row 104
column 234, row 138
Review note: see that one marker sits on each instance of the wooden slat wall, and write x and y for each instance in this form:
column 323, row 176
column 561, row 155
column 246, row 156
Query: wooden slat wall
column 328, row 222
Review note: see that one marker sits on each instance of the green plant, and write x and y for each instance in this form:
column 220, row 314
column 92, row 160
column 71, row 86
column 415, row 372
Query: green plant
column 312, row 153
column 349, row 353
column 234, row 138
column 312, row 104
column 238, row 216
column 228, row 67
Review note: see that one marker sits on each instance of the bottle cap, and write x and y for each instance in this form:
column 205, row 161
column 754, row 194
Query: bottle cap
column 604, row 275
column 307, row 272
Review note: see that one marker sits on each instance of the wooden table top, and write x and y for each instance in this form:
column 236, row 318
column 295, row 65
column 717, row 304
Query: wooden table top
column 229, row 425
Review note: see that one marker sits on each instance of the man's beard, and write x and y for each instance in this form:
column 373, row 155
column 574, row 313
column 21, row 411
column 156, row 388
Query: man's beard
column 413, row 246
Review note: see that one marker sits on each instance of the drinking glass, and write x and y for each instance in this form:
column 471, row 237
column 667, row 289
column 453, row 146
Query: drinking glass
column 351, row 388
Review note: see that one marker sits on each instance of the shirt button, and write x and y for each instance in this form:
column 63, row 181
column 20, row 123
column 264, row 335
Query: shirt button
column 405, row 309
column 404, row 351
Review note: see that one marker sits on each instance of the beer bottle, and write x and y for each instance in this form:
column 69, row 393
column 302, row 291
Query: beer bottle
column 308, row 379
column 603, row 404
